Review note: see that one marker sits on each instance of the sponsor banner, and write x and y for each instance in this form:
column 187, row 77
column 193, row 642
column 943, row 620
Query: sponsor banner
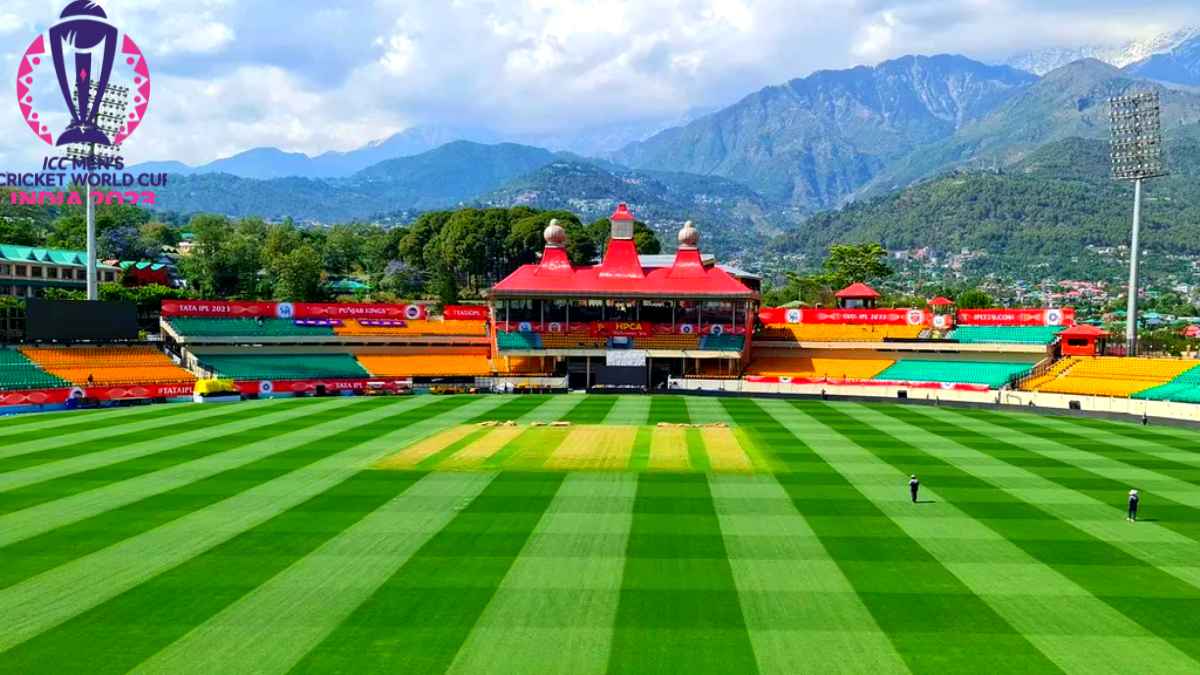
column 111, row 393
column 943, row 386
column 217, row 308
column 466, row 313
column 622, row 329
column 287, row 310
column 943, row 322
column 875, row 317
column 1017, row 317
column 625, row 358
column 266, row 387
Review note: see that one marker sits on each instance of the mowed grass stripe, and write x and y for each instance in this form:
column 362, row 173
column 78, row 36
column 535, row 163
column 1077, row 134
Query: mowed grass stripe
column 1134, row 438
column 100, row 517
column 530, row 450
column 933, row 621
column 27, row 422
column 412, row 456
column 592, row 410
column 724, row 452
column 1095, row 509
column 668, row 450
column 474, row 455
column 639, row 455
column 513, row 408
column 629, row 411
column 670, row 409
column 1045, row 605
column 53, row 448
column 417, row 621
column 706, row 410
column 1181, row 438
column 25, row 427
column 1104, row 480
column 1034, row 426
column 593, row 448
column 562, row 590
column 554, row 409
column 697, row 452
column 1109, row 573
column 163, row 609
column 679, row 609
column 802, row 614
column 47, row 600
column 54, row 480
column 306, row 601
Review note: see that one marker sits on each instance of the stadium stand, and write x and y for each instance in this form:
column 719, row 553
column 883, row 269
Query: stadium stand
column 668, row 342
column 991, row 373
column 18, row 372
column 441, row 363
column 108, row 365
column 195, row 328
column 283, row 366
column 820, row 367
column 1182, row 389
column 1110, row 376
column 837, row 333
column 573, row 340
column 1022, row 335
column 518, row 341
column 519, row 366
column 722, row 343
column 416, row 328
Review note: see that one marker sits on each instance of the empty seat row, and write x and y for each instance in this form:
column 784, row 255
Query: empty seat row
column 202, row 327
column 837, row 333
column 807, row 367
column 990, row 373
column 1113, row 376
column 1022, row 335
column 108, row 365
column 283, row 366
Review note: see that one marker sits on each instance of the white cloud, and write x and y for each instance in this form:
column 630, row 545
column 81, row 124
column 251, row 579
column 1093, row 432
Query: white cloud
column 309, row 75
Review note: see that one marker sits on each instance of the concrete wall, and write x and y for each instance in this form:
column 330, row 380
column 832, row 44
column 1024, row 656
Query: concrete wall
column 1103, row 405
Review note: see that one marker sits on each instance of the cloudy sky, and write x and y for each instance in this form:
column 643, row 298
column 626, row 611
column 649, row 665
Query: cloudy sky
column 313, row 76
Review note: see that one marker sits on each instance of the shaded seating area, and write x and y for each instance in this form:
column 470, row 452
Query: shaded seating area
column 506, row 341
column 990, row 373
column 432, row 328
column 808, row 367
column 722, row 343
column 283, row 366
column 837, row 333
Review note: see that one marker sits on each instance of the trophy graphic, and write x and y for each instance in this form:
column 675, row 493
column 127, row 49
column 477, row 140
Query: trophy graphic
column 84, row 31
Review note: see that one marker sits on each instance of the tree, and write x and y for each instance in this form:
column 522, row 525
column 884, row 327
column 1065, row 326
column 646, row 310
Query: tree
column 446, row 287
column 974, row 299
column 853, row 263
column 297, row 275
column 226, row 257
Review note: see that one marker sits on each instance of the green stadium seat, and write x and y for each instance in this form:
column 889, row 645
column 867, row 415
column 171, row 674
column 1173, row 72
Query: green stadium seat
column 284, row 366
column 197, row 327
column 1183, row 389
column 518, row 341
column 17, row 373
column 992, row 374
column 1020, row 335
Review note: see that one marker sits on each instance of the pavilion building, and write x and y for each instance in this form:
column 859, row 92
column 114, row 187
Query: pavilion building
column 625, row 322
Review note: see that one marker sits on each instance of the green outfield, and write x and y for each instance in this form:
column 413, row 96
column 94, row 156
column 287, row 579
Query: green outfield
column 651, row 534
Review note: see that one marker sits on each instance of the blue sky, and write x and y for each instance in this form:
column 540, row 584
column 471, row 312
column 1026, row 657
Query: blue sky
column 314, row 76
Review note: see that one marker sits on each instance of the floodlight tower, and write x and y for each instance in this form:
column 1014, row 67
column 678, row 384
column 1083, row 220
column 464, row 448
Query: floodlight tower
column 1137, row 156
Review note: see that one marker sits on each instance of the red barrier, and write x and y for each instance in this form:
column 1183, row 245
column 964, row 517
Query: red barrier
column 873, row 317
column 621, row 328
column 287, row 310
column 266, row 387
column 466, row 313
column 130, row 392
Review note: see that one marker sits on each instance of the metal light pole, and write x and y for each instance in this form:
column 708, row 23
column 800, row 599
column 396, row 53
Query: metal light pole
column 1137, row 155
column 93, row 286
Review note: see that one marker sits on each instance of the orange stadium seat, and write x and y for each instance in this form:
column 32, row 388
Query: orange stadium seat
column 837, row 333
column 831, row 367
column 441, row 363
column 108, row 365
column 573, row 340
column 517, row 365
column 417, row 328
column 668, row 342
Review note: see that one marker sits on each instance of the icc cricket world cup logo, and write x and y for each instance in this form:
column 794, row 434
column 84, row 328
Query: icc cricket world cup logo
column 98, row 71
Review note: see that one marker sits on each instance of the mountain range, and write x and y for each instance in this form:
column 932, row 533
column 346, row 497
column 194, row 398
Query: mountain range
column 770, row 165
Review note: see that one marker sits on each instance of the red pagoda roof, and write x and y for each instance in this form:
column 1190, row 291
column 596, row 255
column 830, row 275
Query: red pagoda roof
column 621, row 275
column 941, row 301
column 857, row 291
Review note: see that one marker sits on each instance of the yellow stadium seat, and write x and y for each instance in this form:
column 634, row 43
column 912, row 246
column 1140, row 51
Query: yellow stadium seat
column 417, row 328
column 1108, row 376
column 836, row 333
column 809, row 367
